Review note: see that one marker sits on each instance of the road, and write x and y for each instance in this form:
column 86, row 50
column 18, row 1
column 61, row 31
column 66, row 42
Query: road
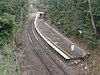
column 38, row 57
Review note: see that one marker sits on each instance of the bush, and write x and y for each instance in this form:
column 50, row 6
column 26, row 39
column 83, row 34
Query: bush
column 7, row 26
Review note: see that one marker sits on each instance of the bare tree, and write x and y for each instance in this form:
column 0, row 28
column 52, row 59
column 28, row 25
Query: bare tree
column 91, row 16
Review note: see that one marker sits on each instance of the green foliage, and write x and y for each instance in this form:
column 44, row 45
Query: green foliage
column 8, row 64
column 10, row 11
column 73, row 15
column 5, row 8
column 7, row 26
column 10, row 18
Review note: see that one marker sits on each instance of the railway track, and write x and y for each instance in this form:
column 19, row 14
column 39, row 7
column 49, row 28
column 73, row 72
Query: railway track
column 53, row 65
column 48, row 64
column 42, row 59
column 31, row 64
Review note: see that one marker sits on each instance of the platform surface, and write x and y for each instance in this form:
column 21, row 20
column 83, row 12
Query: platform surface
column 60, row 41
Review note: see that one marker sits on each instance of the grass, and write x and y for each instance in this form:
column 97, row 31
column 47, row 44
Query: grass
column 9, row 62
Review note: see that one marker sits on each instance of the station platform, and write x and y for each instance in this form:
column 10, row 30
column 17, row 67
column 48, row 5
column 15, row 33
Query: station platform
column 62, row 43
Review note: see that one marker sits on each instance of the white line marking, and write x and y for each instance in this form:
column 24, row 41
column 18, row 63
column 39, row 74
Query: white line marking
column 84, row 53
column 52, row 45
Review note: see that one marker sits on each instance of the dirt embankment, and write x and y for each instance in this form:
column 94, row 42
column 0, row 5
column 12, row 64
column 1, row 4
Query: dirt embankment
column 89, row 65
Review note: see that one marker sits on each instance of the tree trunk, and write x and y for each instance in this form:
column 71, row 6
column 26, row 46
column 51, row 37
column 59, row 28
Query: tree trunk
column 91, row 16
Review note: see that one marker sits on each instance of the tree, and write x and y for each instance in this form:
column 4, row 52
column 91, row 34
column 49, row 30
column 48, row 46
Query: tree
column 71, row 16
column 91, row 15
column 9, row 18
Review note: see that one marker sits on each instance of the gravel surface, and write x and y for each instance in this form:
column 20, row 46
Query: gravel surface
column 30, row 63
column 38, row 57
